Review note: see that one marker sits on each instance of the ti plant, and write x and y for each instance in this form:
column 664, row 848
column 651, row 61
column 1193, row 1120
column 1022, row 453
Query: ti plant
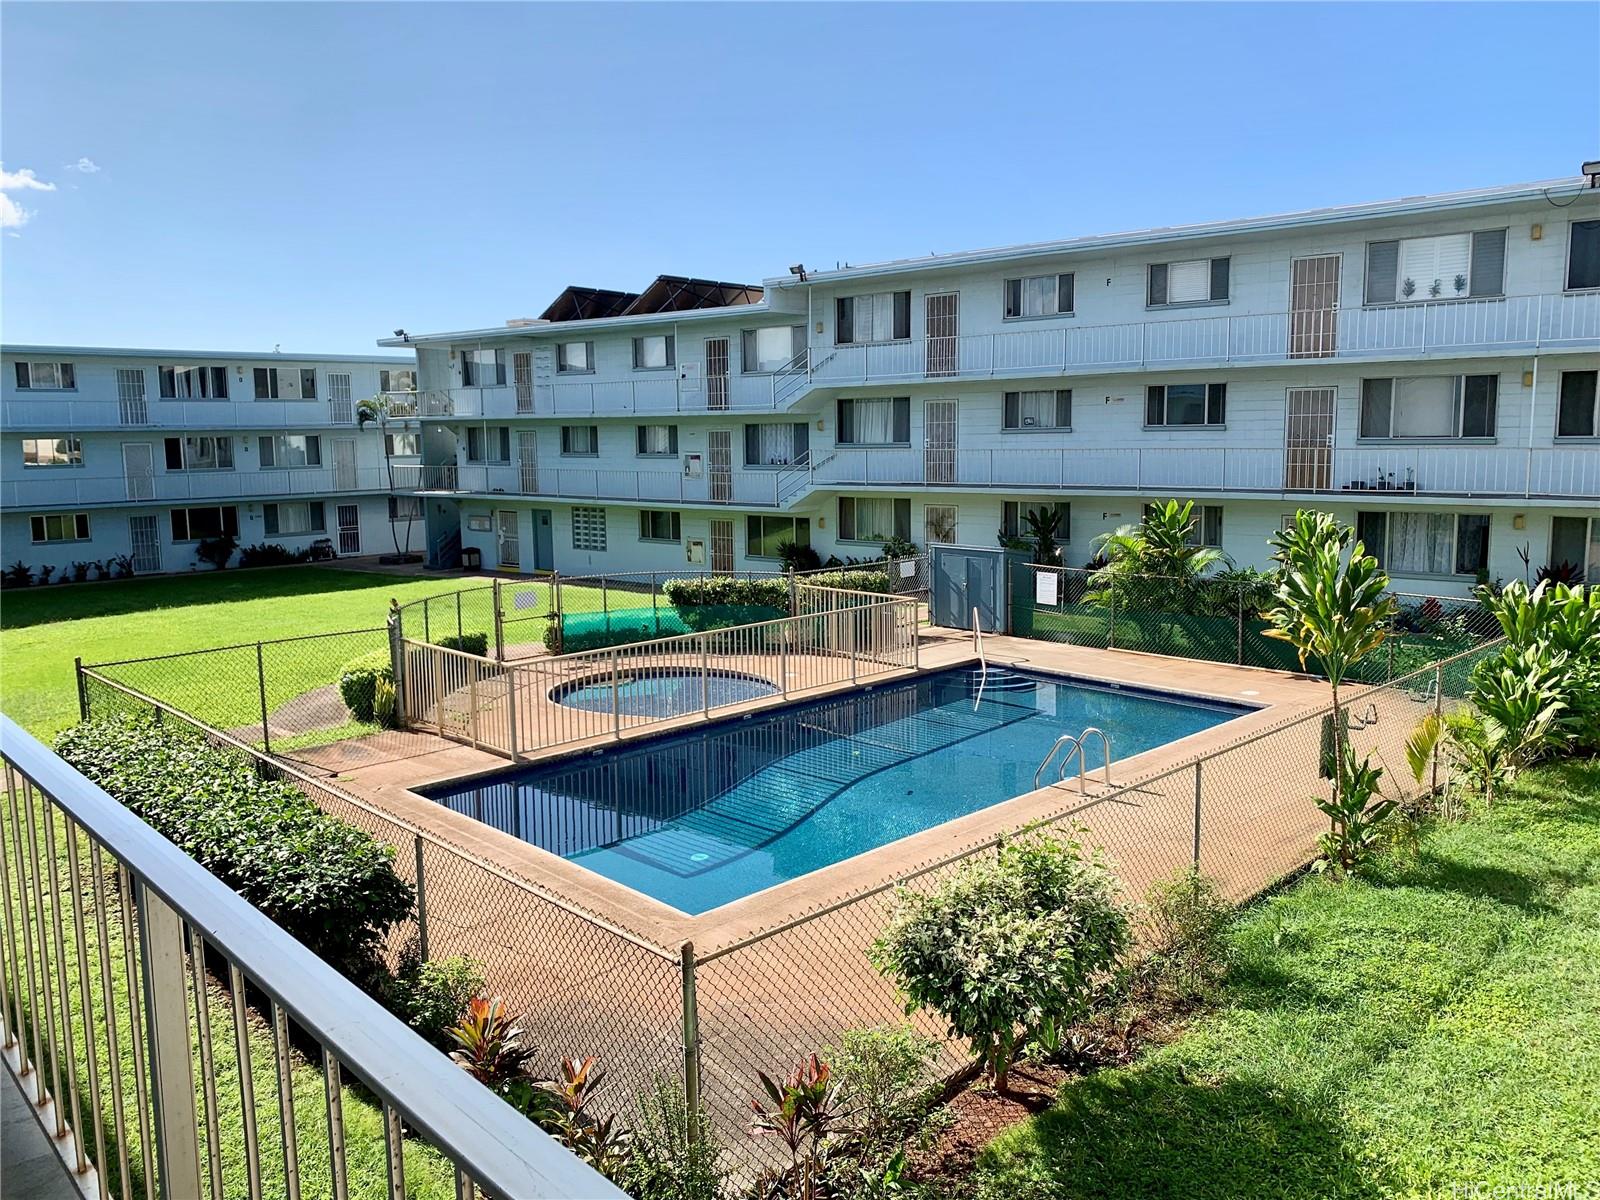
column 801, row 1112
column 1356, row 812
column 562, row 1109
column 490, row 1046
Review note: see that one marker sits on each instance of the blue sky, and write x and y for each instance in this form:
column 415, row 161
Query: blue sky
column 237, row 176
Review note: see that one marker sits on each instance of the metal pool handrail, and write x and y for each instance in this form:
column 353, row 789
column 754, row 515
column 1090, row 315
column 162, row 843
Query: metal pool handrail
column 180, row 911
column 983, row 663
column 1054, row 746
column 1083, row 756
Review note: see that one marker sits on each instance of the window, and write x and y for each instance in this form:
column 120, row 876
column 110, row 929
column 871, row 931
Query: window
column 1426, row 543
column 873, row 518
column 652, row 440
column 46, row 376
column 405, row 508
column 580, row 440
column 1039, row 296
column 876, row 317
column 653, row 353
column 60, row 527
column 291, row 450
column 193, row 383
column 193, row 524
column 403, row 445
column 776, row 445
column 397, row 379
column 766, row 350
column 575, row 358
column 588, row 529
column 1583, row 255
column 1444, row 267
column 294, row 517
column 1014, row 517
column 1576, row 541
column 1193, row 281
column 1038, row 410
column 483, row 368
column 489, row 443
column 1206, row 529
column 1186, row 404
column 656, row 525
column 884, row 421
column 1577, row 415
column 64, row 451
column 199, row 454
column 285, row 383
column 1431, row 406
column 765, row 536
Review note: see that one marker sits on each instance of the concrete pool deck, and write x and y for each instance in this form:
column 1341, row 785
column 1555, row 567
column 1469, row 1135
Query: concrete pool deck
column 389, row 785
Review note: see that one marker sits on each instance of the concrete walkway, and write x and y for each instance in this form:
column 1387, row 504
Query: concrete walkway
column 29, row 1164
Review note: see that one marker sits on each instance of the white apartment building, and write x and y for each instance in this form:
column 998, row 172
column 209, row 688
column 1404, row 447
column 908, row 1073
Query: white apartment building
column 1423, row 368
column 142, row 454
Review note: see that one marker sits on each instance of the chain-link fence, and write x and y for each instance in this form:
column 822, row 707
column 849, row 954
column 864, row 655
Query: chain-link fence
column 1221, row 619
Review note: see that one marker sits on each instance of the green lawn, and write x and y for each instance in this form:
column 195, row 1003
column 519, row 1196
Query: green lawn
column 42, row 629
column 1436, row 1024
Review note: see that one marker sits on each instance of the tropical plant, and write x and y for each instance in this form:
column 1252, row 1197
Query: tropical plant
column 46, row 571
column 899, row 547
column 1158, row 563
column 18, row 575
column 801, row 1112
column 433, row 996
column 80, row 571
column 562, row 1109
column 676, row 1154
column 489, row 1044
column 379, row 410
column 122, row 566
column 797, row 557
column 1008, row 948
column 1183, row 920
column 886, row 1079
column 217, row 551
column 1356, row 812
column 359, row 679
column 1044, row 530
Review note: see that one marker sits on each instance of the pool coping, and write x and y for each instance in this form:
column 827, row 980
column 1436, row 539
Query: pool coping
column 1276, row 695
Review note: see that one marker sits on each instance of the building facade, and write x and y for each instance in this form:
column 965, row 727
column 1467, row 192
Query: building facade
column 1424, row 369
column 137, row 456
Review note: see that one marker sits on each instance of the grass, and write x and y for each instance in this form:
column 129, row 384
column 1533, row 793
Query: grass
column 1432, row 1025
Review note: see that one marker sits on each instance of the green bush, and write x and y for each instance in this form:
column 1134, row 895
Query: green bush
column 432, row 996
column 666, row 1163
column 1009, row 949
column 385, row 704
column 1185, row 919
column 726, row 590
column 328, row 884
column 886, row 1084
column 358, row 682
column 467, row 643
column 850, row 581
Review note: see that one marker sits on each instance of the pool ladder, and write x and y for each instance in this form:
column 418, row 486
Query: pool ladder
column 983, row 663
column 1074, row 744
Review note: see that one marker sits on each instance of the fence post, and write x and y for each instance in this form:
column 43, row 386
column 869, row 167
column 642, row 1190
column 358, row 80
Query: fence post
column 397, row 659
column 794, row 595
column 705, row 678
column 510, row 674
column 1241, row 627
column 499, row 626
column 850, row 626
column 422, row 898
column 691, row 1045
column 83, row 688
column 261, row 686
column 616, row 696
column 1438, row 711
column 783, row 656
column 655, row 604
column 458, row 620
column 165, row 1002
column 1390, row 640
column 1197, row 816
column 555, row 607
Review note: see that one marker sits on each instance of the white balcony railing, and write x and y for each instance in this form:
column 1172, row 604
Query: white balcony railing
column 66, row 488
column 754, row 489
column 59, row 414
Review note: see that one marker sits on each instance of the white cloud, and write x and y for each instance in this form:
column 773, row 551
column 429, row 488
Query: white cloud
column 84, row 166
column 12, row 214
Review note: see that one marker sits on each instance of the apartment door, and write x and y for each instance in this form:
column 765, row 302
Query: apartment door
column 939, row 525
column 344, row 464
column 144, row 535
column 719, row 465
column 544, row 558
column 943, row 312
column 528, row 462
column 1314, row 306
column 341, row 408
column 347, row 519
column 139, row 469
column 522, row 376
column 939, row 441
column 507, row 552
column 717, row 373
column 1308, row 445
column 721, row 546
column 130, row 396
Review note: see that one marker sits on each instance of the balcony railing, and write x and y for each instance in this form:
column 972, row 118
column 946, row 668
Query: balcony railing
column 79, row 870
column 60, row 414
column 755, row 489
column 1356, row 472
column 66, row 487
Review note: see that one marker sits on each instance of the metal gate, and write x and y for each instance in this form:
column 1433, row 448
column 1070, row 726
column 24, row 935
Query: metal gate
column 1308, row 440
column 719, row 465
column 943, row 313
column 522, row 376
column 145, row 538
column 348, row 519
column 717, row 373
column 939, row 441
column 967, row 578
column 1314, row 307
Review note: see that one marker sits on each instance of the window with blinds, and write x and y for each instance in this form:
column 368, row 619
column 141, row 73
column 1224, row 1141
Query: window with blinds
column 1433, row 406
column 874, row 317
column 1038, row 296
column 1038, row 410
column 776, row 445
column 582, row 441
column 1191, row 281
column 653, row 441
column 873, row 518
column 489, row 444
column 1451, row 266
column 286, row 519
column 879, row 421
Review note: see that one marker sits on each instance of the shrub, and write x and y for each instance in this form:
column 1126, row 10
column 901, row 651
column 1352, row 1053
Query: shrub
column 852, row 581
column 46, row 572
column 467, row 643
column 18, row 575
column 358, row 683
column 217, row 551
column 1184, row 922
column 1009, row 948
column 328, row 884
column 726, row 590
column 385, row 704
column 432, row 997
column 886, row 1078
column 795, row 557
column 272, row 554
column 667, row 1164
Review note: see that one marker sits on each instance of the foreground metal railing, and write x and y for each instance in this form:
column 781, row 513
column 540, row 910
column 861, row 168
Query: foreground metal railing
column 127, row 971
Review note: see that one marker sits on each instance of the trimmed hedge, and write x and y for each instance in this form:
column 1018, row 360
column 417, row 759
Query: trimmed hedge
column 467, row 643
column 850, row 581
column 329, row 884
column 726, row 591
column 358, row 683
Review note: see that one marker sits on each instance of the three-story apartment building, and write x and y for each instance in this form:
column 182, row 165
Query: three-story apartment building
column 142, row 454
column 1423, row 368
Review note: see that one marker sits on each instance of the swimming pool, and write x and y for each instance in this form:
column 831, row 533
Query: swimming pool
column 701, row 818
column 662, row 692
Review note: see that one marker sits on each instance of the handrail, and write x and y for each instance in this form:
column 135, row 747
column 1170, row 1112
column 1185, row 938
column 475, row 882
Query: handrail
column 1083, row 765
column 1054, row 746
column 487, row 1141
column 983, row 662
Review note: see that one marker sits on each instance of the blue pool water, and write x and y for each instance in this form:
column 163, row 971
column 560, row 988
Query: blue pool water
column 701, row 818
column 663, row 692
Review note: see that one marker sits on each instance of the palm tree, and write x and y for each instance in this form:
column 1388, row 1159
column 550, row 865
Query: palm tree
column 377, row 410
column 1161, row 552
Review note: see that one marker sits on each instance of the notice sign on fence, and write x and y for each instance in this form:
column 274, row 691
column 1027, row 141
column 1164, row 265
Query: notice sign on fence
column 908, row 568
column 1046, row 588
